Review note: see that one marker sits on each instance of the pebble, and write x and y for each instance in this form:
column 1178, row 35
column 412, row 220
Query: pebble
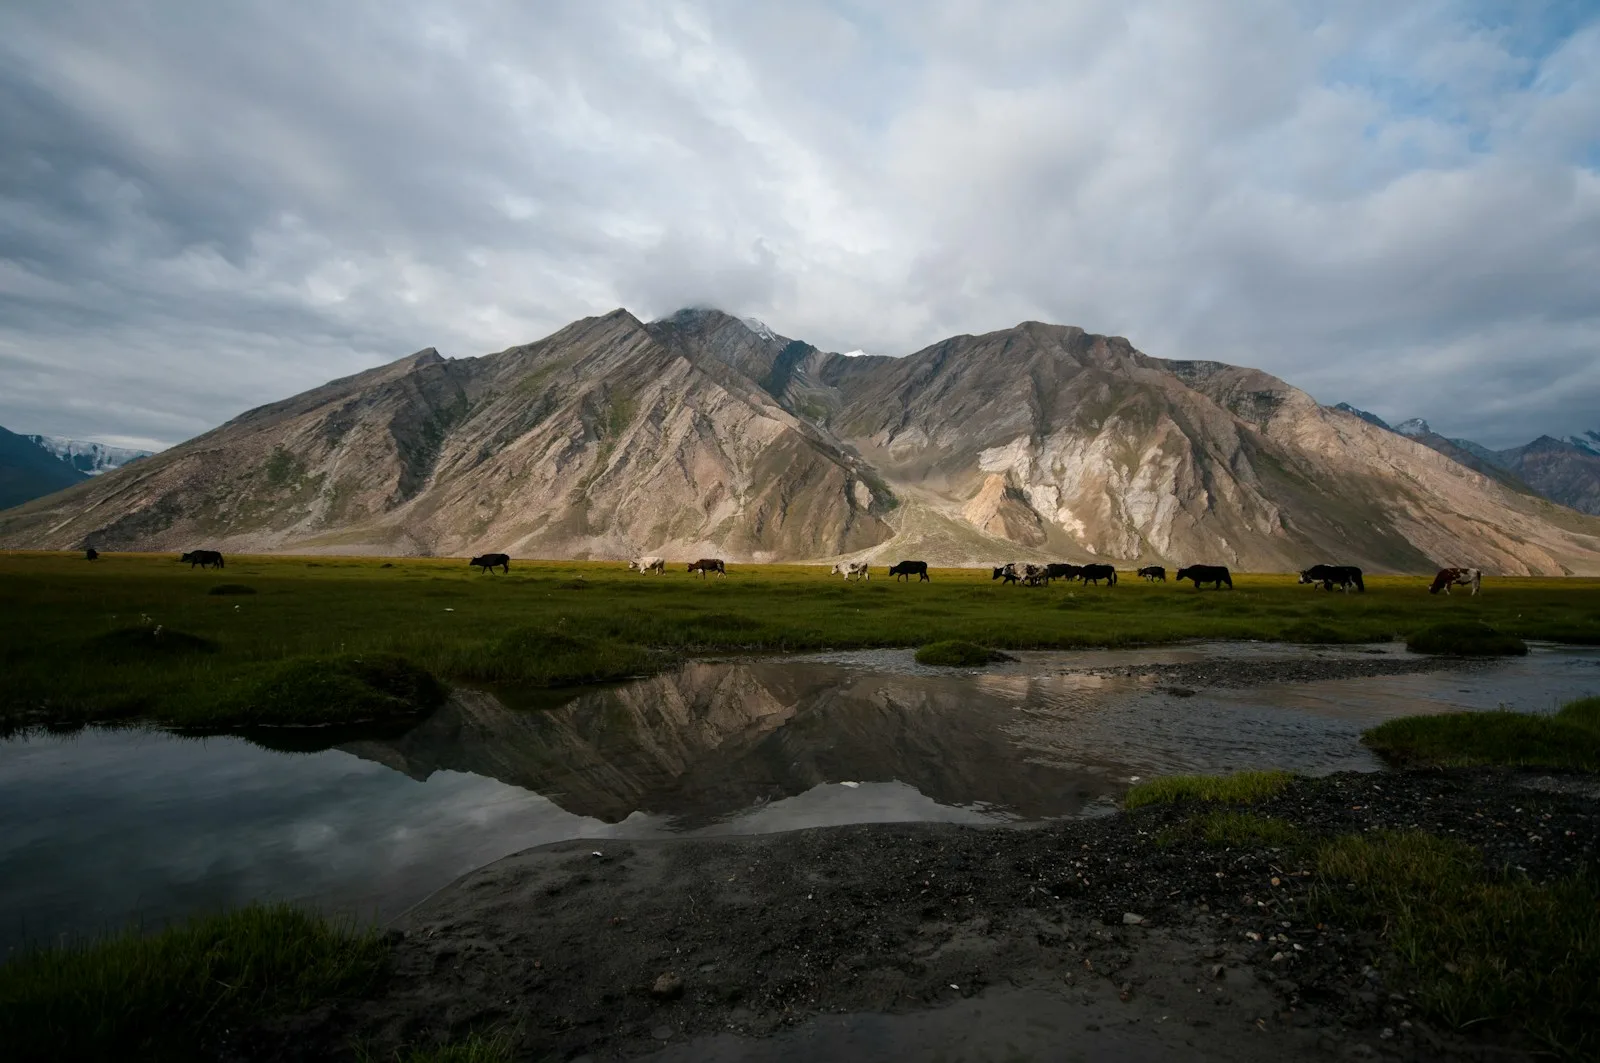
column 668, row 987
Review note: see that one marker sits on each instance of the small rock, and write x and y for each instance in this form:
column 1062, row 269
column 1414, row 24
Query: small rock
column 1279, row 957
column 1218, row 971
column 662, row 1032
column 1130, row 919
column 668, row 987
column 1386, row 1033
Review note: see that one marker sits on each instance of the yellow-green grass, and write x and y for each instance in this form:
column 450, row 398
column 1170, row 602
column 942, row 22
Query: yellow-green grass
column 161, row 996
column 1483, row 947
column 1240, row 788
column 1569, row 739
column 463, row 626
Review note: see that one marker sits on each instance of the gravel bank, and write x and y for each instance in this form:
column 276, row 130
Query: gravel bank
column 1129, row 947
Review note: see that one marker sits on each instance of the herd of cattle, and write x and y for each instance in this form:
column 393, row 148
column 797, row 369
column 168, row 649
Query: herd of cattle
column 1345, row 577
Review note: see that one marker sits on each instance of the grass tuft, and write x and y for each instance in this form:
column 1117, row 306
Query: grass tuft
column 1486, row 948
column 1569, row 739
column 231, row 588
column 1241, row 788
column 1468, row 639
column 137, row 996
column 954, row 653
column 1235, row 830
column 542, row 657
column 375, row 686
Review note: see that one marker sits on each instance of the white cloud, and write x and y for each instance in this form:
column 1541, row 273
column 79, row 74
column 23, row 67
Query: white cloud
column 1397, row 207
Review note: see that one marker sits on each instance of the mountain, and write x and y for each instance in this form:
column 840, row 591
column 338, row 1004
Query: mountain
column 1563, row 470
column 1566, row 470
column 88, row 457
column 701, row 434
column 28, row 472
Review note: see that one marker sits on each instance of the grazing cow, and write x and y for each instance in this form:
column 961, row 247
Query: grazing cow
column 1344, row 576
column 1060, row 571
column 859, row 569
column 648, row 564
column 1458, row 577
column 1006, row 572
column 707, row 565
column 203, row 558
column 92, row 554
column 490, row 562
column 1154, row 573
column 1034, row 575
column 1214, row 574
column 1095, row 573
column 907, row 569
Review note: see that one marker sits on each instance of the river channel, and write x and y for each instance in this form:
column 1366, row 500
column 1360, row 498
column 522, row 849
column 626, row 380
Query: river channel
column 105, row 827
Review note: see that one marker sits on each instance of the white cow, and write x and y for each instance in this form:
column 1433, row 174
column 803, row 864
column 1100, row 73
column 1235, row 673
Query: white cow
column 648, row 564
column 852, row 568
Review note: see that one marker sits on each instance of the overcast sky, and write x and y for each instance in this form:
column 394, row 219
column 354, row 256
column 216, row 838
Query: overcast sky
column 207, row 206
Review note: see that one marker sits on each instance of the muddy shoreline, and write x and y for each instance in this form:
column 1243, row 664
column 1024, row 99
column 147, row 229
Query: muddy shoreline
column 757, row 947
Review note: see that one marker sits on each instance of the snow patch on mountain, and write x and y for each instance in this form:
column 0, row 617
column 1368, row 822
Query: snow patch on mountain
column 87, row 456
column 760, row 328
column 1414, row 427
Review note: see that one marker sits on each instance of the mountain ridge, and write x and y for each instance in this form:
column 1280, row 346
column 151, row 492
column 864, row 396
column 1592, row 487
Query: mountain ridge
column 699, row 433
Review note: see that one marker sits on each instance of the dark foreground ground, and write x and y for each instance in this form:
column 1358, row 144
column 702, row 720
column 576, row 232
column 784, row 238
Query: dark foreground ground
column 1098, row 939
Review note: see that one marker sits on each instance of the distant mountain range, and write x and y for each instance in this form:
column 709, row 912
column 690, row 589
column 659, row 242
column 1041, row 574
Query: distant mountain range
column 34, row 466
column 700, row 434
column 1562, row 470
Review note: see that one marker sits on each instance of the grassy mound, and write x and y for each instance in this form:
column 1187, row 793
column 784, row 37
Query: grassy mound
column 1484, row 947
column 231, row 588
column 1569, row 739
column 1240, row 788
column 154, row 643
column 953, row 653
column 133, row 996
column 326, row 690
column 544, row 657
column 1468, row 639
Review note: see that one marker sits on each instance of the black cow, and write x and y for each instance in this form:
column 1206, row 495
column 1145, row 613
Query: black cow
column 1344, row 576
column 1095, row 573
column 708, row 565
column 1059, row 571
column 1215, row 574
column 92, row 554
column 490, row 562
column 1154, row 573
column 907, row 569
column 203, row 558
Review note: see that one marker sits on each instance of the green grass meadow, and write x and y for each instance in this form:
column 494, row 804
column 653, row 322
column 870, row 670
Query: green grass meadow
column 79, row 639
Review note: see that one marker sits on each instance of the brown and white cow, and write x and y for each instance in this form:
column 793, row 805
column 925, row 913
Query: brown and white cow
column 1456, row 577
column 707, row 565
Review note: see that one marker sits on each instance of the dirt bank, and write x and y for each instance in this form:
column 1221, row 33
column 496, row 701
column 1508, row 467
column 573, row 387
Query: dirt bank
column 1088, row 933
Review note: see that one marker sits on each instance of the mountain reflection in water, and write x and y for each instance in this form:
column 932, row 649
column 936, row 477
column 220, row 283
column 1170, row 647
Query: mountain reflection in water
column 711, row 740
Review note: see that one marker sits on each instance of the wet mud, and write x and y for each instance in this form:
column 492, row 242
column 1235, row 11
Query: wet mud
column 1096, row 939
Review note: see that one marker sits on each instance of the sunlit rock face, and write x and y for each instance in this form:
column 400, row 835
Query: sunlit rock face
column 704, row 435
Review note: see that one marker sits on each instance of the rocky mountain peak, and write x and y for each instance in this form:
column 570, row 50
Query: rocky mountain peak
column 1414, row 427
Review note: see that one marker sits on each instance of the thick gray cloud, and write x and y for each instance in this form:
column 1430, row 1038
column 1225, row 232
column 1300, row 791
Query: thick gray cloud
column 205, row 207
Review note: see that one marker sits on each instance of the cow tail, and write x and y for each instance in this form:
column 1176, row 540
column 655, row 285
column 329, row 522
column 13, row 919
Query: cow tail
column 1360, row 586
